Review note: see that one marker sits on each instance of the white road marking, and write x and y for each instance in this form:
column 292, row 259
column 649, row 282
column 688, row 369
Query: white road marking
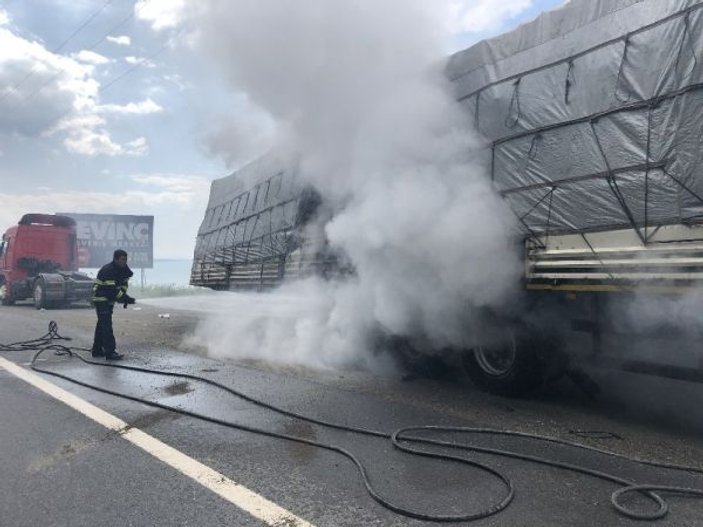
column 243, row 498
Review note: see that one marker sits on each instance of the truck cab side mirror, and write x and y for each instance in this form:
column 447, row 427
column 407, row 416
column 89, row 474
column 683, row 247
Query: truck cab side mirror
column 2, row 247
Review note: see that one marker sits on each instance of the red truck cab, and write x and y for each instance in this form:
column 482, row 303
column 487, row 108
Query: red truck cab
column 39, row 259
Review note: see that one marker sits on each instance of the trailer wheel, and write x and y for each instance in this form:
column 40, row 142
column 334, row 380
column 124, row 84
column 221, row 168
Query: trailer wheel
column 39, row 294
column 510, row 367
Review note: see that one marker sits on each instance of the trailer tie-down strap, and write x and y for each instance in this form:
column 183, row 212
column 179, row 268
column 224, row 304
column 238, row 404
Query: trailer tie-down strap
column 405, row 439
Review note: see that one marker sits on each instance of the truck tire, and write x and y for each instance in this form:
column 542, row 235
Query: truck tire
column 6, row 298
column 510, row 368
column 39, row 294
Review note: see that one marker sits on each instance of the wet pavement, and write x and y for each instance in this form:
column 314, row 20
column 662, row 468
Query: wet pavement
column 60, row 468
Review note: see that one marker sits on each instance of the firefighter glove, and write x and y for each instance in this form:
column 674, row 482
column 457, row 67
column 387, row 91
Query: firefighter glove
column 128, row 300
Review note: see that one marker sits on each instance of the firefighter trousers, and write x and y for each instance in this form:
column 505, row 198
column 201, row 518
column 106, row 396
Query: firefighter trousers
column 104, row 338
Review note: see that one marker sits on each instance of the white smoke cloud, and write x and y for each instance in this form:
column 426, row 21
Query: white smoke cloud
column 653, row 312
column 239, row 138
column 303, row 323
column 356, row 89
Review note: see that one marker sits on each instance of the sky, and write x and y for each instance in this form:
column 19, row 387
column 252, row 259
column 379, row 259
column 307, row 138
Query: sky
column 107, row 106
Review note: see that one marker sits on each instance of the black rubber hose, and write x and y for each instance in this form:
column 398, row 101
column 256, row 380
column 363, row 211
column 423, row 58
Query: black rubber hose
column 45, row 343
column 399, row 439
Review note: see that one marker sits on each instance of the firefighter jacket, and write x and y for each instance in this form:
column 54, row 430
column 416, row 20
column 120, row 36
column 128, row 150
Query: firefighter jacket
column 111, row 283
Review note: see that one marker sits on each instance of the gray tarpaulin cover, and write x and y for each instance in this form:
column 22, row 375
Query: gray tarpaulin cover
column 593, row 115
column 250, row 221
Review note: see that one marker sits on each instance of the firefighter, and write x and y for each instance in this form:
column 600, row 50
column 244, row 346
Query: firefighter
column 108, row 288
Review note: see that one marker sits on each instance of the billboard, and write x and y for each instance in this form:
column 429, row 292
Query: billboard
column 98, row 235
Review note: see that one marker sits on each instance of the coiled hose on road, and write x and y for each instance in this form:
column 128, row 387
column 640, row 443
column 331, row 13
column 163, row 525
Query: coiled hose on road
column 399, row 438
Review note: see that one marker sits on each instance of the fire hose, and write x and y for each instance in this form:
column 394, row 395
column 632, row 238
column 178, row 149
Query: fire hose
column 401, row 439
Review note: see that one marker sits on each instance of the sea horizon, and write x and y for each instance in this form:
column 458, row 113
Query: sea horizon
column 166, row 271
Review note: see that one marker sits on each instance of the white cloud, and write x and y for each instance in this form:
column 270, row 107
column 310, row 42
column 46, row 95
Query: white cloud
column 4, row 17
column 76, row 122
column 138, row 147
column 98, row 142
column 140, row 60
column 91, row 143
column 86, row 135
column 483, row 15
column 18, row 56
column 61, row 99
column 176, row 80
column 90, row 57
column 128, row 202
column 181, row 184
column 120, row 40
column 58, row 85
column 177, row 209
column 161, row 14
column 145, row 107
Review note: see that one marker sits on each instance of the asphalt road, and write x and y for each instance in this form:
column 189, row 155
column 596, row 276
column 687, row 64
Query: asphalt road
column 60, row 468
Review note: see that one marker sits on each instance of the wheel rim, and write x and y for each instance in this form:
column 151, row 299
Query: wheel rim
column 497, row 360
column 38, row 293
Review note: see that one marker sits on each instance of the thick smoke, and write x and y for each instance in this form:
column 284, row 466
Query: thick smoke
column 357, row 92
column 237, row 138
column 668, row 328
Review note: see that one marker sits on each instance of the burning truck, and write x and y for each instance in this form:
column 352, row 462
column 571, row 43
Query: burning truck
column 591, row 120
